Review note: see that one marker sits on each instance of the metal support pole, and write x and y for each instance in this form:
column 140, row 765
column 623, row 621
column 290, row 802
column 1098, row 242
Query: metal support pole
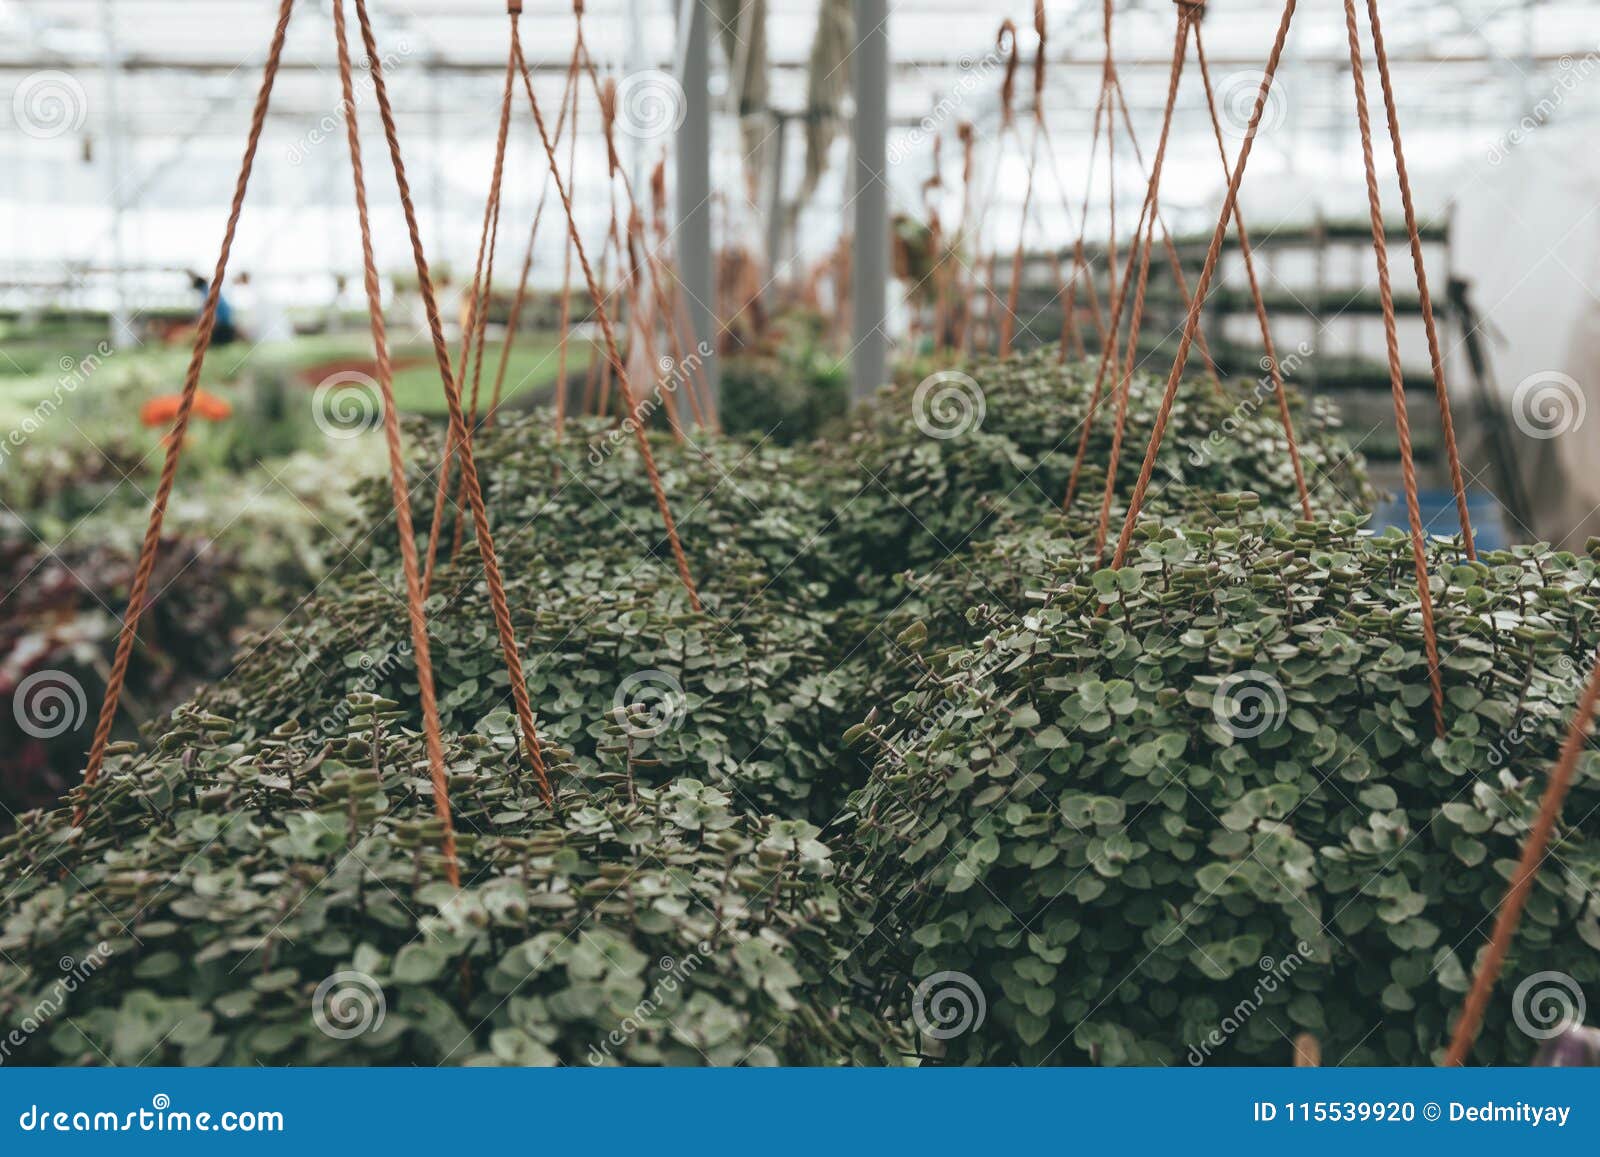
column 121, row 335
column 638, row 60
column 694, row 186
column 869, row 281
column 780, row 135
column 435, row 148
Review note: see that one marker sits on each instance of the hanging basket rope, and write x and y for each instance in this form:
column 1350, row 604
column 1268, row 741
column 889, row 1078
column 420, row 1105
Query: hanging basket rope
column 469, row 332
column 1173, row 261
column 398, row 489
column 1190, row 13
column 452, row 390
column 1533, row 856
column 1208, row 269
column 140, row 586
column 1014, row 284
column 568, row 95
column 1142, row 247
column 1436, row 361
column 1081, row 273
column 1402, row 422
column 1269, row 348
column 613, row 354
column 1397, row 390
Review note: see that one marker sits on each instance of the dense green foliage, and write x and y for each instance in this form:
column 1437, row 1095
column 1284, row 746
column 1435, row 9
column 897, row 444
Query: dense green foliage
column 741, row 696
column 940, row 464
column 584, row 495
column 281, row 900
column 1169, row 814
column 1124, row 810
column 789, row 396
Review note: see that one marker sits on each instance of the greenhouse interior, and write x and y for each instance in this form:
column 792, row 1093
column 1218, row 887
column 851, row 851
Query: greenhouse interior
column 799, row 533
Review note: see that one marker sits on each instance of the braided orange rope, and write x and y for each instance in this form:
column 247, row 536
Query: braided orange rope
column 603, row 364
column 1268, row 347
column 452, row 391
column 1151, row 208
column 1434, row 357
column 1108, row 81
column 397, row 469
column 1402, row 424
column 565, row 322
column 629, row 245
column 1533, row 854
column 480, row 303
column 140, row 586
column 1191, row 323
column 627, row 267
column 483, row 303
column 1005, row 41
column 653, row 265
column 997, row 310
column 1014, row 285
column 1167, row 243
column 612, row 353
column 1080, row 267
column 644, row 323
column 442, row 492
column 1108, row 358
column 567, row 95
column 478, row 332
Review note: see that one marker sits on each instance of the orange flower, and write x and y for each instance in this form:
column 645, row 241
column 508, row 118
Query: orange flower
column 162, row 411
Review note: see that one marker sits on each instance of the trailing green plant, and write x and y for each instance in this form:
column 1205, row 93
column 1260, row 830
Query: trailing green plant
column 1178, row 812
column 587, row 494
column 789, row 394
column 741, row 695
column 280, row 899
column 939, row 464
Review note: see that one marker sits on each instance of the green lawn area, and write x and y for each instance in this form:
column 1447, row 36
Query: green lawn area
column 530, row 373
column 31, row 372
